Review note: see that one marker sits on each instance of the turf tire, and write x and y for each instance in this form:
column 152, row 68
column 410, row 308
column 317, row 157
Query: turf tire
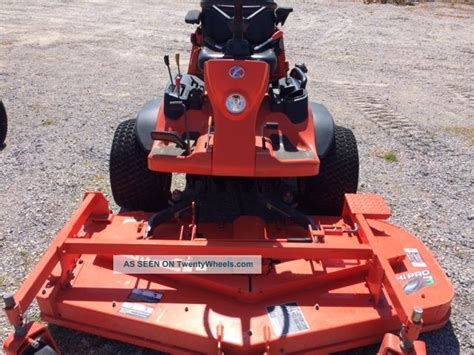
column 3, row 124
column 134, row 186
column 323, row 194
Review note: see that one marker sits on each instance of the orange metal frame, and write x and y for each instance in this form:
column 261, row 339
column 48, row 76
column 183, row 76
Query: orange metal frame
column 238, row 145
column 345, row 278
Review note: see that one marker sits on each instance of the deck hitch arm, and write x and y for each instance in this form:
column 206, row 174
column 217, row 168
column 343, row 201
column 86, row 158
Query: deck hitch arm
column 287, row 211
column 167, row 215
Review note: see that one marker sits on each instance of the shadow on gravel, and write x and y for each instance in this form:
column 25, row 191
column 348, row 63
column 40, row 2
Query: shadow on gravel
column 74, row 342
column 444, row 336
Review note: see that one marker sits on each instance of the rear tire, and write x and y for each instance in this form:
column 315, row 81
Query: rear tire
column 134, row 186
column 323, row 194
column 3, row 124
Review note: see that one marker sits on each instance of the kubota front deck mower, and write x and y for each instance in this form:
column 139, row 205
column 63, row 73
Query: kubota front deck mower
column 268, row 175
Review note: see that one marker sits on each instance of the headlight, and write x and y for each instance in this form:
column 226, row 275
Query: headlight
column 236, row 103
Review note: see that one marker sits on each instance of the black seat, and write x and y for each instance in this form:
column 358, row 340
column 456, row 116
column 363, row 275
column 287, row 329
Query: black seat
column 267, row 56
column 217, row 21
column 216, row 15
column 249, row 36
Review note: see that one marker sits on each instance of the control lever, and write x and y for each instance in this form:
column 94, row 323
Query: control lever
column 275, row 37
column 176, row 57
column 209, row 127
column 167, row 63
column 179, row 77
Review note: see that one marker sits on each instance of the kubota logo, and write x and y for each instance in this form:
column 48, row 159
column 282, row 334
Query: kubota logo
column 237, row 72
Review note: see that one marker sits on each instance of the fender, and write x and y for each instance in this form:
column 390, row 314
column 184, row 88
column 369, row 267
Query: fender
column 324, row 128
column 146, row 123
column 323, row 123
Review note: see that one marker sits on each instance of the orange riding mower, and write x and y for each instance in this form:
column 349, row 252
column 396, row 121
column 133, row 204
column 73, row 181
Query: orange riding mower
column 270, row 183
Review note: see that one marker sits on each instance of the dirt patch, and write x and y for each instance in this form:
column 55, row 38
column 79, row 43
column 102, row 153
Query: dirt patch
column 464, row 132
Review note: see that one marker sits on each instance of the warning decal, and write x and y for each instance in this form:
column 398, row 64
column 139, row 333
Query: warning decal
column 287, row 319
column 415, row 257
column 136, row 310
column 144, row 295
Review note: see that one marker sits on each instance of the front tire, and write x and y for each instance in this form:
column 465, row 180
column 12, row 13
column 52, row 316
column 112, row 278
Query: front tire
column 323, row 194
column 3, row 124
column 134, row 186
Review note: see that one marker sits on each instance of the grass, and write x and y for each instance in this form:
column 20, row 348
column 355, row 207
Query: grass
column 464, row 132
column 47, row 122
column 28, row 259
column 6, row 42
column 35, row 317
column 98, row 182
column 389, row 156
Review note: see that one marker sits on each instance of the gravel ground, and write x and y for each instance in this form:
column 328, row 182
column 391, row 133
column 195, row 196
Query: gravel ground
column 400, row 77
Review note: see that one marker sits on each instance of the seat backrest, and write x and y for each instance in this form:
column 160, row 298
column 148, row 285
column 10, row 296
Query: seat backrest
column 217, row 18
column 267, row 56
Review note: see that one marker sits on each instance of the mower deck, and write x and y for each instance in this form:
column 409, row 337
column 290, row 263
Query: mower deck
column 340, row 287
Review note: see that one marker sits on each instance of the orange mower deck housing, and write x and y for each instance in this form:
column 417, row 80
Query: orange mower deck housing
column 347, row 288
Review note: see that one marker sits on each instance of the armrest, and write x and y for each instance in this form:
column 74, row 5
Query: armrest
column 193, row 17
column 282, row 14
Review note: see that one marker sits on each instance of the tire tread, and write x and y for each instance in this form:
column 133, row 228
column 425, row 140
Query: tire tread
column 134, row 186
column 323, row 194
